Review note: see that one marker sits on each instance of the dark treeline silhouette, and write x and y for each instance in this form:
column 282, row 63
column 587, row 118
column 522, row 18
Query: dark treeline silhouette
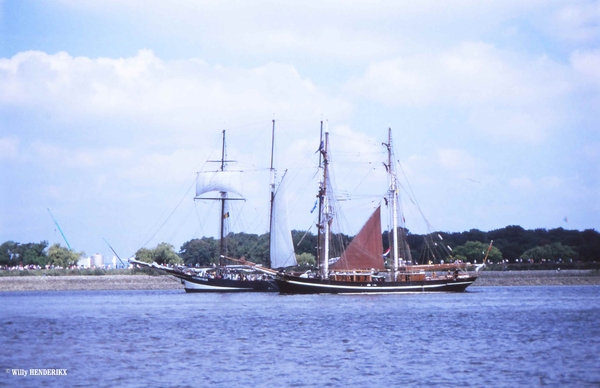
column 516, row 245
column 514, row 241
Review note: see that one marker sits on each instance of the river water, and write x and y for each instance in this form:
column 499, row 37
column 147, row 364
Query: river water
column 486, row 337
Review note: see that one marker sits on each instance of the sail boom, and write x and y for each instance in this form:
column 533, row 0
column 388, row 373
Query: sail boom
column 219, row 198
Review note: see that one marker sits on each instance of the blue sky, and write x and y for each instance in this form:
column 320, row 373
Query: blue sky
column 107, row 110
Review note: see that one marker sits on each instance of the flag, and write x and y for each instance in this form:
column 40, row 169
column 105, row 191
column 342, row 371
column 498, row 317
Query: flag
column 314, row 207
column 320, row 147
column 386, row 252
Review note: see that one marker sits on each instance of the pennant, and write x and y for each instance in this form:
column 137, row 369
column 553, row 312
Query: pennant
column 314, row 207
column 320, row 147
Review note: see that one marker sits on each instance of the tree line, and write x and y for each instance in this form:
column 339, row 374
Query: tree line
column 14, row 254
column 511, row 245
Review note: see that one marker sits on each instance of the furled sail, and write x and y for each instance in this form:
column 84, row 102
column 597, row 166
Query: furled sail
column 219, row 181
column 366, row 249
column 281, row 246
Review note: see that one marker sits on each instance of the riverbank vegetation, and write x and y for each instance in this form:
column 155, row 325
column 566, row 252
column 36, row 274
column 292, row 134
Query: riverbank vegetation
column 514, row 248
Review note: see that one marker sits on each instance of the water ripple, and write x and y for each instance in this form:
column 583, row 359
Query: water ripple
column 493, row 336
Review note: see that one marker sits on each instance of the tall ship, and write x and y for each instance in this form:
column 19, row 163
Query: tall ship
column 361, row 268
column 236, row 274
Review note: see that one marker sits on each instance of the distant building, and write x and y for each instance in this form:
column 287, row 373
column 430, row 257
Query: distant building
column 83, row 262
column 96, row 260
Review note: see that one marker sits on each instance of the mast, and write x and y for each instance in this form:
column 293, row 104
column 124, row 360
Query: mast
column 325, row 210
column 223, row 182
column 272, row 185
column 394, row 199
column 281, row 245
column 319, row 252
column 223, row 194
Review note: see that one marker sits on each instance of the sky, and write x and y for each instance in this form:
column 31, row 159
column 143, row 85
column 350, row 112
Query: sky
column 109, row 108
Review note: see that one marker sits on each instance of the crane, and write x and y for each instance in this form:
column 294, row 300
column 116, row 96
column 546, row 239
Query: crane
column 60, row 230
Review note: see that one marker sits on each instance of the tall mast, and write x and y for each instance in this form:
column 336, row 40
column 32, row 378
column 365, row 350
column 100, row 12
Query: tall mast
column 393, row 194
column 325, row 210
column 272, row 185
column 223, row 245
column 319, row 239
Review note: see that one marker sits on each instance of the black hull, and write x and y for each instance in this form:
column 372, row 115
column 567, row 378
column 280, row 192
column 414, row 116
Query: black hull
column 295, row 285
column 194, row 284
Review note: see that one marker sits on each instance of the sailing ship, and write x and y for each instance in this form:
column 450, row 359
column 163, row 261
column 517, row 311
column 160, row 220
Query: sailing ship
column 361, row 267
column 243, row 276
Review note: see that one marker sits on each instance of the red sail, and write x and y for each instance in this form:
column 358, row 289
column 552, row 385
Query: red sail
column 366, row 249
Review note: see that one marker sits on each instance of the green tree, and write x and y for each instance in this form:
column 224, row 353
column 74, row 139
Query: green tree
column 306, row 259
column 144, row 254
column 33, row 253
column 13, row 253
column 202, row 251
column 163, row 254
column 9, row 253
column 251, row 247
column 305, row 242
column 551, row 252
column 63, row 257
column 475, row 251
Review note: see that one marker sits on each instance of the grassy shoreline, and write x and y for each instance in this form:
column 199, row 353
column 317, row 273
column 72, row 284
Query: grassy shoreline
column 148, row 280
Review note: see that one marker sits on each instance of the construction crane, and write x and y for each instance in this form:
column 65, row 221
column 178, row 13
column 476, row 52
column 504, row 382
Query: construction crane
column 115, row 252
column 60, row 230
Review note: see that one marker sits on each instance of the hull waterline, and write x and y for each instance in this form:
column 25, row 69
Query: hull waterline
column 195, row 284
column 296, row 285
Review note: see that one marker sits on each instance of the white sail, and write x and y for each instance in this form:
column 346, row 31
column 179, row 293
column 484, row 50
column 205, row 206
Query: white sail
column 282, row 246
column 219, row 181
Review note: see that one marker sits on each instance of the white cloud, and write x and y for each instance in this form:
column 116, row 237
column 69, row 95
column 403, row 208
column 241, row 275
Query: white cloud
column 337, row 31
column 505, row 93
column 472, row 74
column 579, row 21
column 171, row 94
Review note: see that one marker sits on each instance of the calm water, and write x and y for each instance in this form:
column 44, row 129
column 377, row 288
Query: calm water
column 489, row 336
